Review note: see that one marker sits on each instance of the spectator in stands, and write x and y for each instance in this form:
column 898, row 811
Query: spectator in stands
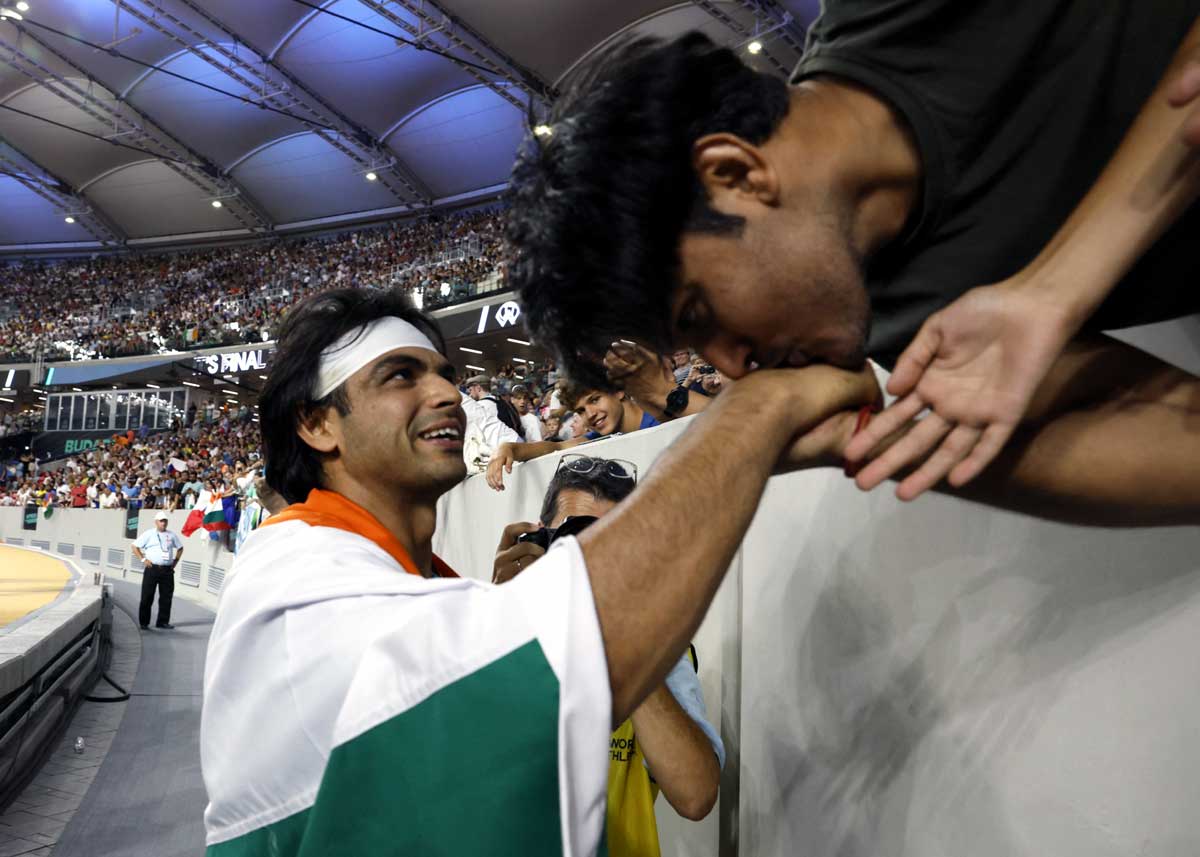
column 78, row 493
column 159, row 550
column 667, row 743
column 122, row 304
column 522, row 401
column 108, row 498
column 485, row 430
column 604, row 412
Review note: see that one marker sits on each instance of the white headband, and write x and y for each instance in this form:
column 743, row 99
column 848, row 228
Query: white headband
column 362, row 345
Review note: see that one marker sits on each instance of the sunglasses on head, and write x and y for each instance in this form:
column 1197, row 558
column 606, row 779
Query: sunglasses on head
column 585, row 464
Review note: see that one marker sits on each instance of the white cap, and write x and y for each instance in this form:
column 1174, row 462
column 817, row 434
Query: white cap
column 162, row 516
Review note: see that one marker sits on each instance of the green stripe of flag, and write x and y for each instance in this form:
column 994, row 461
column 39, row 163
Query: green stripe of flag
column 472, row 770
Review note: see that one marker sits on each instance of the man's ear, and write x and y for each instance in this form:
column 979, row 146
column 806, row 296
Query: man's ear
column 315, row 429
column 734, row 171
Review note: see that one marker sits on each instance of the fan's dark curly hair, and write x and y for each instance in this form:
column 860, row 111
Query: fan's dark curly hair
column 597, row 206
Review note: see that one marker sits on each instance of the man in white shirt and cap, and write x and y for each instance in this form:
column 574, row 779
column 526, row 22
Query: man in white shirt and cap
column 159, row 550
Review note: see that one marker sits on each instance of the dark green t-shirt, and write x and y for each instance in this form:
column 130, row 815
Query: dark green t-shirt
column 1016, row 108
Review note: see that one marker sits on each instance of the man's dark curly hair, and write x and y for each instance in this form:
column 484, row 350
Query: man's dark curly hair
column 597, row 207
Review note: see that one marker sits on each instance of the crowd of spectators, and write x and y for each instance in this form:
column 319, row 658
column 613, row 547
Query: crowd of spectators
column 18, row 423
column 113, row 306
column 153, row 471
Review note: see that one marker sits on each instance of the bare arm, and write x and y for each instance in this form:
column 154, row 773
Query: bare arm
column 653, row 573
column 679, row 755
column 1151, row 179
column 1112, row 437
column 508, row 453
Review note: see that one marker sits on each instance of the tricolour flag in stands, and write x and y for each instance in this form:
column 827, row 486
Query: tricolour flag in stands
column 195, row 518
column 351, row 708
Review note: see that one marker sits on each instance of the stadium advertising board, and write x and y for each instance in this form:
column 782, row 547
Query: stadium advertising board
column 57, row 444
column 29, row 519
column 129, row 524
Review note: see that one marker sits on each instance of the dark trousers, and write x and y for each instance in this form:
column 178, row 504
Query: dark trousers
column 161, row 577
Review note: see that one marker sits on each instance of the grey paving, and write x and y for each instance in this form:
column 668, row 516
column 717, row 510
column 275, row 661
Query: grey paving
column 147, row 798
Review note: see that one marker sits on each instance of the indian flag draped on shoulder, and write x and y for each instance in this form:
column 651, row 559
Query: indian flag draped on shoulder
column 353, row 707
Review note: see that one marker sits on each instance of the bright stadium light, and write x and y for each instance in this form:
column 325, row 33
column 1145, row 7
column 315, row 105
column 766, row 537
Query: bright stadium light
column 371, row 176
column 153, row 386
column 476, row 368
column 22, row 6
column 755, row 47
column 469, row 350
column 190, row 384
column 216, row 203
column 519, row 341
column 5, row 12
column 69, row 219
column 543, row 131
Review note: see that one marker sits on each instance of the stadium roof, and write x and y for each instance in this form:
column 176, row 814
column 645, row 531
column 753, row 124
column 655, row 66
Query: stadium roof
column 278, row 109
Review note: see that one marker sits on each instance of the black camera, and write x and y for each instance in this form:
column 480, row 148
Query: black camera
column 707, row 370
column 546, row 536
column 541, row 538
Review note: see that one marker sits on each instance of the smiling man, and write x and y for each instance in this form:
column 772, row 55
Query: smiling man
column 360, row 698
column 605, row 412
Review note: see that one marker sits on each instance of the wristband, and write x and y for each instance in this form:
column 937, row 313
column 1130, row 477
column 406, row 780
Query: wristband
column 851, row 468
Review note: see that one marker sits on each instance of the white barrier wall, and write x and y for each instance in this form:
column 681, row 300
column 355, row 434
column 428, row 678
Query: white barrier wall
column 927, row 679
column 94, row 538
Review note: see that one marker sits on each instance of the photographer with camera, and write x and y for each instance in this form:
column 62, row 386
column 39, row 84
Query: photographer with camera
column 667, row 743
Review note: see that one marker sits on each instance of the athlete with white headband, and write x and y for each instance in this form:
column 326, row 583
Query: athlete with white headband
column 360, row 698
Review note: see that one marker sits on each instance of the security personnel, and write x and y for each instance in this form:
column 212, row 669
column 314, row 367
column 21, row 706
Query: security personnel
column 159, row 550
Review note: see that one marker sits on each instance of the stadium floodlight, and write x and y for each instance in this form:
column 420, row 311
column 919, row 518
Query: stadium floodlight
column 190, row 384
column 519, row 341
column 469, row 350
column 755, row 47
column 153, row 386
column 5, row 12
column 371, row 176
column 216, row 203
column 543, row 131
column 476, row 368
column 22, row 6
column 69, row 219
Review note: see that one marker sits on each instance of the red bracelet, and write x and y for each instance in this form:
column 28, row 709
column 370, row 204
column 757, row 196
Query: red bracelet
column 864, row 416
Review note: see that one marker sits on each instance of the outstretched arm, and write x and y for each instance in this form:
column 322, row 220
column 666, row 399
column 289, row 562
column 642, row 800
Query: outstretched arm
column 1112, row 438
column 652, row 573
column 978, row 362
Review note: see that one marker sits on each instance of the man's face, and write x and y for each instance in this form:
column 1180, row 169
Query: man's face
column 405, row 428
column 602, row 412
column 573, row 503
column 161, row 525
column 476, row 392
column 787, row 291
column 680, row 359
column 521, row 402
